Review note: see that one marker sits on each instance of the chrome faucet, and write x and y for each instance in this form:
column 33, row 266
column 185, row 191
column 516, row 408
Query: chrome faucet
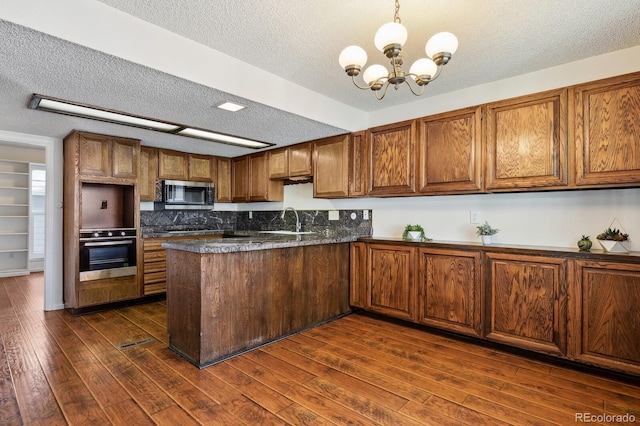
column 297, row 218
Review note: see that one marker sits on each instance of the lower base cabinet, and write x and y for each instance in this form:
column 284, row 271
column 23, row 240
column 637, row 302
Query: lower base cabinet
column 527, row 302
column 449, row 285
column 606, row 313
column 579, row 306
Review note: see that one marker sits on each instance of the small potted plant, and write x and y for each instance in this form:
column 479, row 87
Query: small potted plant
column 584, row 244
column 414, row 233
column 614, row 241
column 486, row 231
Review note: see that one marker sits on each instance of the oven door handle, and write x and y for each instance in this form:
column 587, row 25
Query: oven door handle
column 108, row 243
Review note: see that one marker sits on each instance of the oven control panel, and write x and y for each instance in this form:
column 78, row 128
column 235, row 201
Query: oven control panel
column 92, row 234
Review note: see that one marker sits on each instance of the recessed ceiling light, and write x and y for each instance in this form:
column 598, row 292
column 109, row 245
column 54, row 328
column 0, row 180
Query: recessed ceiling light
column 230, row 106
column 102, row 114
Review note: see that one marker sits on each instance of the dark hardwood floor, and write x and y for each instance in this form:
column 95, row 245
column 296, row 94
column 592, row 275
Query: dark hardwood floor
column 60, row 369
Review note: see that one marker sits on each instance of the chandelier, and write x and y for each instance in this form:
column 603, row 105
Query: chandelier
column 389, row 40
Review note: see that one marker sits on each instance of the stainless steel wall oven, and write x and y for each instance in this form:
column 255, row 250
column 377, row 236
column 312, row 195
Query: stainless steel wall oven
column 107, row 253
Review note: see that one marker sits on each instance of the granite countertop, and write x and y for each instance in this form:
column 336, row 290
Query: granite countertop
column 153, row 232
column 255, row 241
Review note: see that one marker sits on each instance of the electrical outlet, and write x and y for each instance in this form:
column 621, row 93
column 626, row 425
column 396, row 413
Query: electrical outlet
column 334, row 215
column 474, row 217
column 250, row 215
column 365, row 214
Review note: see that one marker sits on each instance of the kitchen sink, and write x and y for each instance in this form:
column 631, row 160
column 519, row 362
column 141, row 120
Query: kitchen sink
column 287, row 232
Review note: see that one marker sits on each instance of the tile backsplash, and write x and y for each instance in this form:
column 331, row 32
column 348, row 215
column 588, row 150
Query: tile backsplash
column 349, row 222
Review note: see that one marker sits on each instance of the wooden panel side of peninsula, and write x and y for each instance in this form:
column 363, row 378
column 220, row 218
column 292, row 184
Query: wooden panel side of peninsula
column 222, row 304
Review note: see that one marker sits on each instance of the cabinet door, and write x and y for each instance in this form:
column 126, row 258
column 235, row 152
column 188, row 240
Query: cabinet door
column 279, row 163
column 606, row 315
column 527, row 302
column 391, row 159
column 126, row 158
column 607, row 132
column 94, row 152
column 526, row 142
column 358, row 164
column 201, row 168
column 223, row 180
column 261, row 188
column 148, row 173
column 331, row 167
column 358, row 275
column 449, row 290
column 449, row 152
column 391, row 286
column 300, row 160
column 172, row 165
column 240, row 179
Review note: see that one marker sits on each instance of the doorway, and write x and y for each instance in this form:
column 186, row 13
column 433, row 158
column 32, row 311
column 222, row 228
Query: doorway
column 53, row 161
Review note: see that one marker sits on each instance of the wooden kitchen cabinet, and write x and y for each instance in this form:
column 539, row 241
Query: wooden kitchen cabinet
column 292, row 162
column 526, row 142
column 391, row 284
column 250, row 179
column 607, row 132
column 605, row 314
column 202, row 168
column 450, row 290
column 173, row 165
column 449, row 152
column 391, row 154
column 223, row 180
column 148, row 173
column 240, row 179
column 527, row 302
column 358, row 275
column 106, row 156
column 339, row 166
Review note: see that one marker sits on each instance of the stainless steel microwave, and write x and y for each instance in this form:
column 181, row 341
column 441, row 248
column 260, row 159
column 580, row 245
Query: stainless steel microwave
column 181, row 193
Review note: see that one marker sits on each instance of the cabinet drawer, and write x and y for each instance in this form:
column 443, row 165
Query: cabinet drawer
column 154, row 256
column 108, row 290
column 155, row 277
column 155, row 288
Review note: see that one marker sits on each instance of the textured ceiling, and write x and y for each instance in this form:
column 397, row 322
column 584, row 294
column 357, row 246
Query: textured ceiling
column 300, row 42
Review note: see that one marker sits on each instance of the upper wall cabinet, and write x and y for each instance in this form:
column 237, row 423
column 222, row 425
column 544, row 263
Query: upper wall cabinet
column 106, row 156
column 250, row 179
column 339, row 166
column 223, row 180
column 526, row 142
column 202, row 168
column 449, row 159
column 391, row 158
column 607, row 132
column 148, row 173
column 292, row 162
column 172, row 165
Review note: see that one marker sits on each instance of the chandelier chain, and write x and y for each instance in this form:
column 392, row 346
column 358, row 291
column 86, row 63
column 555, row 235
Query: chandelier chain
column 396, row 15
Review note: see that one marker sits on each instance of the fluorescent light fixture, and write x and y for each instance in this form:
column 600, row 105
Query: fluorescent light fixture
column 219, row 137
column 61, row 106
column 230, row 106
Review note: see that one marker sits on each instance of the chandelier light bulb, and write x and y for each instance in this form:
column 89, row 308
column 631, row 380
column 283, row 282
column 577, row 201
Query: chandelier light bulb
column 423, row 67
column 353, row 55
column 374, row 72
column 443, row 42
column 390, row 33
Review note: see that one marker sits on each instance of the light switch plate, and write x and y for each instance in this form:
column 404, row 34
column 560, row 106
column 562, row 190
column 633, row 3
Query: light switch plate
column 334, row 215
column 365, row 214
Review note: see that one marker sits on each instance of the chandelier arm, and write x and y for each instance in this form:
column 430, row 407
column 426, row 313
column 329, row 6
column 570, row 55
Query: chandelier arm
column 353, row 78
column 413, row 91
column 384, row 92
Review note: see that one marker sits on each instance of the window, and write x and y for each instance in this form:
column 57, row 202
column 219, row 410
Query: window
column 37, row 186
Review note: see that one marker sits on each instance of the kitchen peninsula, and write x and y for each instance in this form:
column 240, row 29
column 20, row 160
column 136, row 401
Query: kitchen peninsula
column 226, row 296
